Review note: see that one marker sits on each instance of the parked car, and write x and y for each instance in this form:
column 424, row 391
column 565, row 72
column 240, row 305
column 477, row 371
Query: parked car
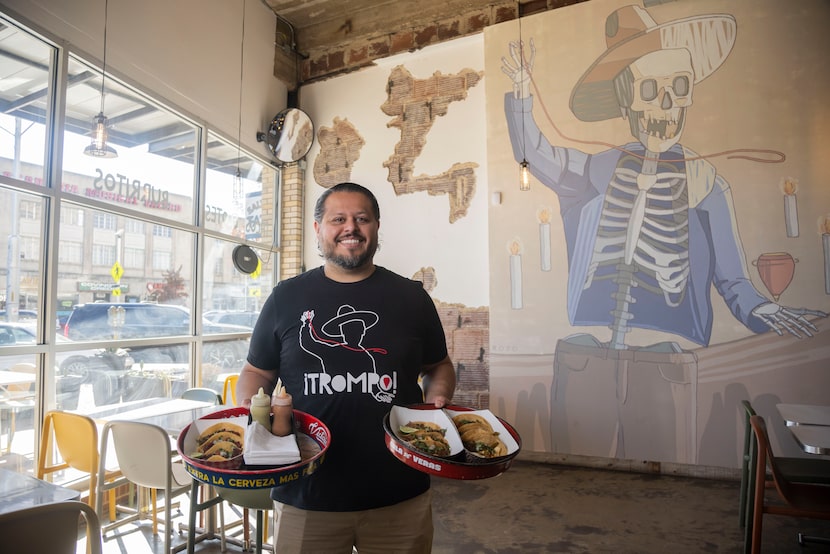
column 28, row 317
column 72, row 369
column 143, row 320
column 16, row 333
column 76, row 362
column 233, row 317
column 22, row 315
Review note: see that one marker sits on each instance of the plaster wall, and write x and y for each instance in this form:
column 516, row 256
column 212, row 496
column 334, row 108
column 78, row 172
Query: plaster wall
column 415, row 230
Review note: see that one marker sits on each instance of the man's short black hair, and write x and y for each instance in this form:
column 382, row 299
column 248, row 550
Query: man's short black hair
column 320, row 207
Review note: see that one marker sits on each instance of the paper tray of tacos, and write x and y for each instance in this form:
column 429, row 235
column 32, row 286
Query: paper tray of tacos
column 455, row 442
column 231, row 471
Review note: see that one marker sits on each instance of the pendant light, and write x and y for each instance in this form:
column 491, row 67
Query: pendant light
column 237, row 177
column 524, row 172
column 244, row 258
column 524, row 175
column 99, row 148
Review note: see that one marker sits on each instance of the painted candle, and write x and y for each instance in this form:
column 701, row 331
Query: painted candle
column 543, row 216
column 825, row 243
column 824, row 228
column 515, row 249
column 790, row 207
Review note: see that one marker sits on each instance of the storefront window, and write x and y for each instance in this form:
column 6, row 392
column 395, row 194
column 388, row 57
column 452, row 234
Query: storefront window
column 131, row 248
column 154, row 169
column 239, row 194
column 26, row 74
column 21, row 229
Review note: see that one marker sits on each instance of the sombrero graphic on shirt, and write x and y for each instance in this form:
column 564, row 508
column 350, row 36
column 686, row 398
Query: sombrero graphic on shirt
column 631, row 33
column 347, row 314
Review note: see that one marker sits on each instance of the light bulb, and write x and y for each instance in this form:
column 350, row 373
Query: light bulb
column 99, row 148
column 524, row 176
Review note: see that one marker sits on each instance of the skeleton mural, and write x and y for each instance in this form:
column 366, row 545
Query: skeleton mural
column 649, row 228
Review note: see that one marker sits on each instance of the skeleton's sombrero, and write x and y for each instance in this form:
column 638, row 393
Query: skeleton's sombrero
column 631, row 33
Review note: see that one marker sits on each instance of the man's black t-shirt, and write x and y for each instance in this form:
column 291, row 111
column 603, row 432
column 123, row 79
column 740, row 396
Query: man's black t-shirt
column 347, row 352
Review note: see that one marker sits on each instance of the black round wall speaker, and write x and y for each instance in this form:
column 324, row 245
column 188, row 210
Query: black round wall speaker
column 245, row 259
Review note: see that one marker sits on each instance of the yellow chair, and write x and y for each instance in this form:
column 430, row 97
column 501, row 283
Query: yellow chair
column 229, row 390
column 76, row 437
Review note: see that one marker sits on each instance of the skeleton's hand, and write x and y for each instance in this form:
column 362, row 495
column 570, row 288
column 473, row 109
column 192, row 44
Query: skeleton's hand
column 780, row 319
column 519, row 69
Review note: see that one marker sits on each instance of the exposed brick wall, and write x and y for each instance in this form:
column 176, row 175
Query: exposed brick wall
column 468, row 342
column 361, row 51
column 269, row 181
column 291, row 224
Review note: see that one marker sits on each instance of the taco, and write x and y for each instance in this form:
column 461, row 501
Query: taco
column 221, row 427
column 462, row 420
column 221, row 436
column 478, row 436
column 219, row 451
column 426, row 436
column 222, row 439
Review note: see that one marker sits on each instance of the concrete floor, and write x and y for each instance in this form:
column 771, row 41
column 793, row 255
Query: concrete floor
column 540, row 508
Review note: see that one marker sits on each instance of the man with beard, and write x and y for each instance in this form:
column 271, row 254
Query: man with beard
column 361, row 496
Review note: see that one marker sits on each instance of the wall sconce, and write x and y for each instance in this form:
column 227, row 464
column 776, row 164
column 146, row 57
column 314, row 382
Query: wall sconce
column 99, row 148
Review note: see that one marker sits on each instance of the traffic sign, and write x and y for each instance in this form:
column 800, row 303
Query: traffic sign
column 117, row 271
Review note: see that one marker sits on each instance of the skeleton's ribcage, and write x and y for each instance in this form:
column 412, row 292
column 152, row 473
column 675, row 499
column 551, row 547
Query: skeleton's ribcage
column 653, row 233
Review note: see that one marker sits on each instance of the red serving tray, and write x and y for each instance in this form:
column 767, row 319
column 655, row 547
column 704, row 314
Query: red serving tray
column 465, row 465
column 260, row 478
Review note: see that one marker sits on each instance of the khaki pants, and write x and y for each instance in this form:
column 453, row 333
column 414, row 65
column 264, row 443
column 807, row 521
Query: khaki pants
column 403, row 528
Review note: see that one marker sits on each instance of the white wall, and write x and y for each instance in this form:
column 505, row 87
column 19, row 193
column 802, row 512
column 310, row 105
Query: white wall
column 415, row 231
column 185, row 52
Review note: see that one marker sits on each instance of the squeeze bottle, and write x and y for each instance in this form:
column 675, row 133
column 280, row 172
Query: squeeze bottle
column 261, row 408
column 282, row 407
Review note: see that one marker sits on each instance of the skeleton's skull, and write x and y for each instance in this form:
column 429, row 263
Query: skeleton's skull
column 662, row 90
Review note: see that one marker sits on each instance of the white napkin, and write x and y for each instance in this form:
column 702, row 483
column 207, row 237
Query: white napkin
column 264, row 449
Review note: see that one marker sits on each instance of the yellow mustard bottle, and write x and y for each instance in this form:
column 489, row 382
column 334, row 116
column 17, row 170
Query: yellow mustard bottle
column 282, row 408
column 261, row 408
